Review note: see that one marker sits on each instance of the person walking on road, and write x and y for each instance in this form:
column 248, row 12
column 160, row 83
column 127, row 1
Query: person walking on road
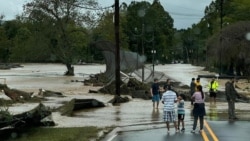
column 213, row 86
column 169, row 98
column 181, row 112
column 231, row 95
column 192, row 88
column 199, row 108
column 155, row 93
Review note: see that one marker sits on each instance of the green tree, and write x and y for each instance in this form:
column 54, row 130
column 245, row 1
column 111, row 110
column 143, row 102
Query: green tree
column 4, row 46
column 163, row 30
column 105, row 31
column 8, row 33
column 28, row 44
column 149, row 25
column 236, row 10
column 20, row 50
column 65, row 20
column 105, row 28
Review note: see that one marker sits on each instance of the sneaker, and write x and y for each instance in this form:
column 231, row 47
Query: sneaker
column 177, row 131
column 183, row 129
column 193, row 131
column 201, row 130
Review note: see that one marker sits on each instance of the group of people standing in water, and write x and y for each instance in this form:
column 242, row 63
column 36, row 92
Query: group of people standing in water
column 169, row 97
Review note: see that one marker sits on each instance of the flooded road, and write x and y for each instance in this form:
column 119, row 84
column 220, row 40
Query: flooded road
column 47, row 76
column 181, row 72
column 31, row 77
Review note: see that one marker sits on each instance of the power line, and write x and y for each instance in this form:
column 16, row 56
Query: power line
column 99, row 8
column 185, row 14
column 89, row 8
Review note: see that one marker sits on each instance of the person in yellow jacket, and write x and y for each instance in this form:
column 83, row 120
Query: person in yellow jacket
column 213, row 88
column 197, row 82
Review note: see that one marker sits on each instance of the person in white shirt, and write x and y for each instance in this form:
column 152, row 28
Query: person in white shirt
column 169, row 98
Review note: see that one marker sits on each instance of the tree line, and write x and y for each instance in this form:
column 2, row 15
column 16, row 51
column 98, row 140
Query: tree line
column 64, row 31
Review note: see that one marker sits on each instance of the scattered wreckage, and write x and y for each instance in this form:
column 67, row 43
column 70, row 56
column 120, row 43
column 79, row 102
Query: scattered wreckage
column 33, row 118
column 39, row 115
column 79, row 104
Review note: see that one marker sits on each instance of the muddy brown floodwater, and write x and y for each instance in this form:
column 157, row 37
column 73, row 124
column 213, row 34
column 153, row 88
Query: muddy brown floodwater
column 32, row 77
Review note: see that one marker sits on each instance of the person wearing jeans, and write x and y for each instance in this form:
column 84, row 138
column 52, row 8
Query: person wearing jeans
column 199, row 108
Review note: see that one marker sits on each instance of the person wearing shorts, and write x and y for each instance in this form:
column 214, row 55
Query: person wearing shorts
column 181, row 112
column 169, row 99
column 155, row 93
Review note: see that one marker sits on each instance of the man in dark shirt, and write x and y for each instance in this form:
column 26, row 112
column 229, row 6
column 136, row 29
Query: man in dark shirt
column 155, row 93
column 192, row 88
column 231, row 95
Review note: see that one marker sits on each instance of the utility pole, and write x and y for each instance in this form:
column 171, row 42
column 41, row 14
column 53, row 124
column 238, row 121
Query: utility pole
column 221, row 24
column 142, row 44
column 117, row 51
column 141, row 14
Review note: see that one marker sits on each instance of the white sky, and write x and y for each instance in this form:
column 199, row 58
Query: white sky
column 184, row 12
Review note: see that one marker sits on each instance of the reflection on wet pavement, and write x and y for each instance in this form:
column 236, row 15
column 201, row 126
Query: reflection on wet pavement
column 212, row 113
column 155, row 114
column 219, row 111
column 138, row 112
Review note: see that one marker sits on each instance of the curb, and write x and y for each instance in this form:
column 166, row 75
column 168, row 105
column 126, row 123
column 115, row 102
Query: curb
column 111, row 135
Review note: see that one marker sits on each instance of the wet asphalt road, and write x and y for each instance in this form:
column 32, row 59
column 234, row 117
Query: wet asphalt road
column 157, row 135
column 223, row 130
column 231, row 130
column 217, row 127
column 219, row 131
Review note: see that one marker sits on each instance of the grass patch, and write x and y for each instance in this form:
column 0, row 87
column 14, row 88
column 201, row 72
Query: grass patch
column 56, row 134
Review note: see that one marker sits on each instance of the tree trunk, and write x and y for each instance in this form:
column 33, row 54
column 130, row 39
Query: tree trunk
column 70, row 70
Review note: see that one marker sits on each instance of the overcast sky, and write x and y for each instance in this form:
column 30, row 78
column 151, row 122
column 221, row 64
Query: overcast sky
column 184, row 12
